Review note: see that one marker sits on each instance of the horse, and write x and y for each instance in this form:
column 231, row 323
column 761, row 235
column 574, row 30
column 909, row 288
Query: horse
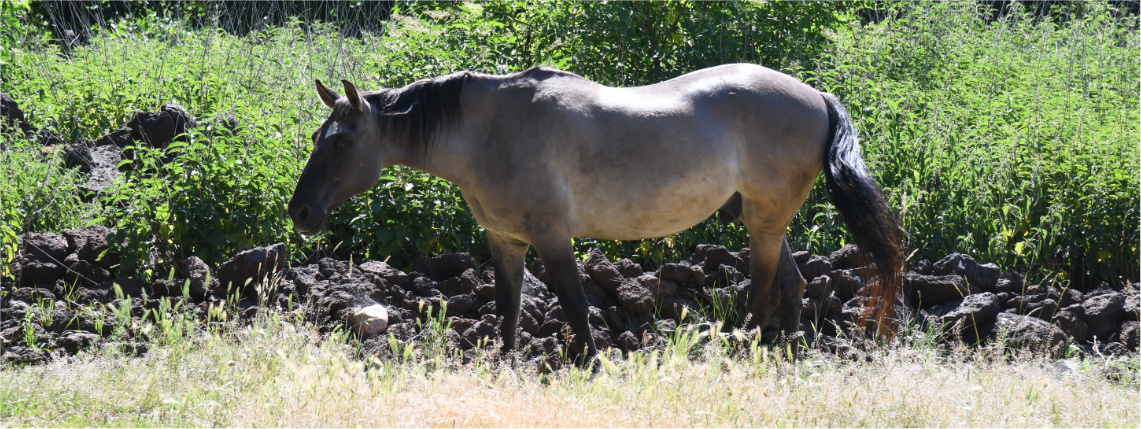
column 544, row 156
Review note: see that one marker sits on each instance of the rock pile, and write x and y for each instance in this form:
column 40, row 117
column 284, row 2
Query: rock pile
column 964, row 301
column 101, row 158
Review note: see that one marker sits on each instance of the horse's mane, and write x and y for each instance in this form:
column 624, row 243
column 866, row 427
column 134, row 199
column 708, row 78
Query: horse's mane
column 412, row 115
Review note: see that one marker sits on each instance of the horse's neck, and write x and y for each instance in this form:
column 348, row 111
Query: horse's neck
column 447, row 158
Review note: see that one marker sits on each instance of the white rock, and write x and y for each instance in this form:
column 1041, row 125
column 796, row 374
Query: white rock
column 371, row 320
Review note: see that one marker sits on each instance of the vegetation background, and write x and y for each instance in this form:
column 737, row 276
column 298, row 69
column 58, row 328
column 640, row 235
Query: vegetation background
column 1005, row 130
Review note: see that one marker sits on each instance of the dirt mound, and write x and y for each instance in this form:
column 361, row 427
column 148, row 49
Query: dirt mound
column 957, row 298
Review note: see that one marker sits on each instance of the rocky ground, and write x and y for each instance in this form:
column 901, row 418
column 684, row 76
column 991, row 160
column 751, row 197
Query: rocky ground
column 60, row 278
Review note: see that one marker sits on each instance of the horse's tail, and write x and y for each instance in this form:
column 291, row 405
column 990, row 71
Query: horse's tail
column 870, row 221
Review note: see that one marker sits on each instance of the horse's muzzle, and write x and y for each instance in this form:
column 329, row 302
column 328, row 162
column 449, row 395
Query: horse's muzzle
column 307, row 218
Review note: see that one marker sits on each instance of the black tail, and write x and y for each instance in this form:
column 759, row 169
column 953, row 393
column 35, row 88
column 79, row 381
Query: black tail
column 870, row 221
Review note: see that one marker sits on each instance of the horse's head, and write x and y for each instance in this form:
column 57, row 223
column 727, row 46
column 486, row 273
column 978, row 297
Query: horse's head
column 346, row 159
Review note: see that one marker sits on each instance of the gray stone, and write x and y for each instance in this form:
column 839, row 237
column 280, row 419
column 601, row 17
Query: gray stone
column 1071, row 325
column 368, row 321
column 845, row 258
column 1029, row 333
column 246, row 269
column 934, row 290
column 603, row 271
column 1102, row 313
column 973, row 310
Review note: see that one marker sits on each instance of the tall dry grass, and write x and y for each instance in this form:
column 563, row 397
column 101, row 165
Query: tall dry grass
column 279, row 374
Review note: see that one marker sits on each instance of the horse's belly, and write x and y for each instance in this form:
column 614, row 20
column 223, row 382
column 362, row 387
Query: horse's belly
column 662, row 209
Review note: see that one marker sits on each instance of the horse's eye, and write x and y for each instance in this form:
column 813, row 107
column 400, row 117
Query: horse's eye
column 344, row 143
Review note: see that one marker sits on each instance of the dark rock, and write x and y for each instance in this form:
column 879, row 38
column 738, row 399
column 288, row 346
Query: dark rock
column 1070, row 297
column 845, row 258
column 483, row 331
column 635, row 297
column 968, row 312
column 20, row 355
column 12, row 117
column 923, row 267
column 444, row 266
column 1132, row 305
column 550, row 328
column 1113, row 349
column 603, row 271
column 818, row 287
column 84, row 271
column 1129, row 335
column 675, row 307
column 1102, row 313
column 658, row 288
column 485, row 291
column 203, row 280
column 1030, row 333
column 627, row 341
column 127, row 286
column 91, row 244
column 697, row 275
column 1045, row 309
column 725, row 276
column 816, row 266
column 391, row 275
column 461, row 304
column 246, row 269
column 223, row 125
column 628, row 268
column 78, row 155
column 1010, row 282
column 166, row 287
column 43, row 246
column 533, row 287
column 426, row 287
column 35, row 272
column 46, row 137
column 76, row 341
column 1071, row 325
column 119, row 138
column 461, row 324
column 934, row 290
column 675, row 272
column 32, row 295
column 801, row 256
column 528, row 323
column 845, row 283
column 984, row 277
column 718, row 256
column 160, row 128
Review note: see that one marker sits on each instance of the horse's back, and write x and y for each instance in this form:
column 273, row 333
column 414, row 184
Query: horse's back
column 654, row 160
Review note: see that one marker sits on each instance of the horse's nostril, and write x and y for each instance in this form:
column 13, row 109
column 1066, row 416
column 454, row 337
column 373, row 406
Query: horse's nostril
column 303, row 213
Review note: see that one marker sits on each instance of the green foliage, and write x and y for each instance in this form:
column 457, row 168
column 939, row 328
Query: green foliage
column 1009, row 138
column 1013, row 140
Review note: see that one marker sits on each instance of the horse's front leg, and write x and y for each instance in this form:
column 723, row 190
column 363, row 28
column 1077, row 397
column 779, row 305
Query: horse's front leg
column 507, row 256
column 558, row 257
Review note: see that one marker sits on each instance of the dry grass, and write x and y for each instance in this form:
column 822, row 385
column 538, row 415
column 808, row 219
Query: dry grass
column 275, row 374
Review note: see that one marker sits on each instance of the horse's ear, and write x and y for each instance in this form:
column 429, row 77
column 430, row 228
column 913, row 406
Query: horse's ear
column 351, row 92
column 327, row 95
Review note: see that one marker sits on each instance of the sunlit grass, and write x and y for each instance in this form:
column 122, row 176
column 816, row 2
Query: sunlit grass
column 275, row 373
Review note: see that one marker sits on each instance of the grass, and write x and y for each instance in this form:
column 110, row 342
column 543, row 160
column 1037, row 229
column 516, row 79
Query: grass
column 275, row 373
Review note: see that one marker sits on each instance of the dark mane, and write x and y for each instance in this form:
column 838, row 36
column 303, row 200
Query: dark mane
column 412, row 115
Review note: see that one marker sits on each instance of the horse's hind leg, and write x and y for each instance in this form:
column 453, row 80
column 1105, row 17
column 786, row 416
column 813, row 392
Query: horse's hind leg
column 791, row 292
column 507, row 255
column 766, row 228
